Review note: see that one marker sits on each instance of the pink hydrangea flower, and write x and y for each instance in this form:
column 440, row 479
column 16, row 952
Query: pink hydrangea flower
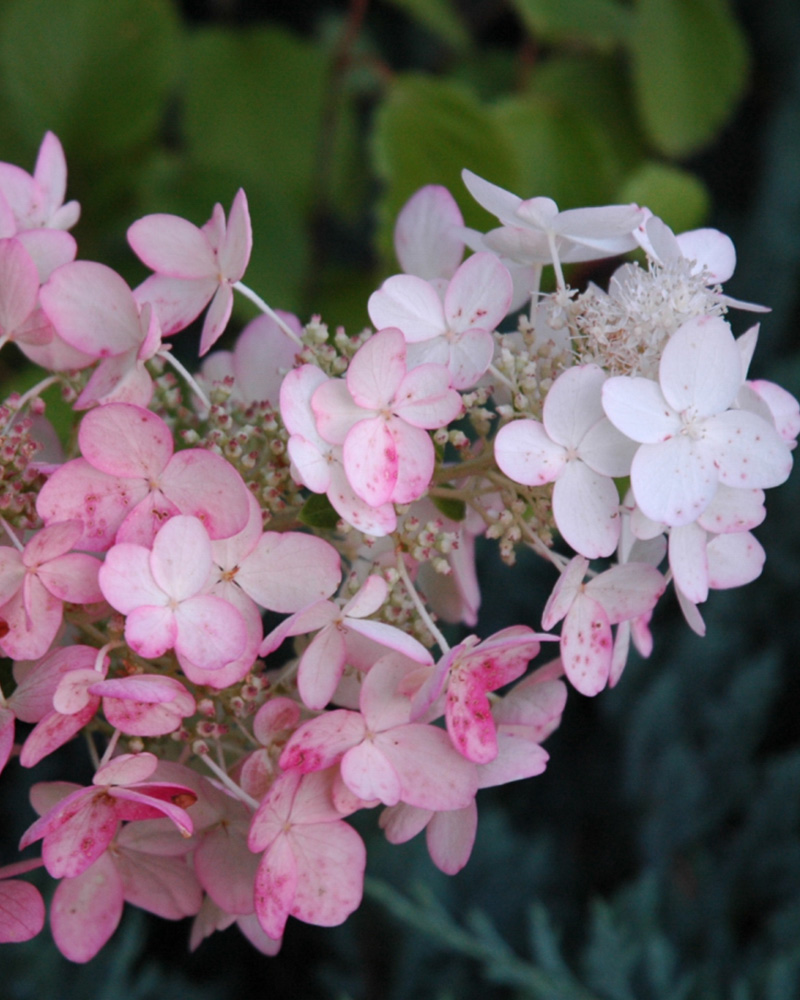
column 194, row 266
column 312, row 865
column 380, row 416
column 126, row 493
column 161, row 593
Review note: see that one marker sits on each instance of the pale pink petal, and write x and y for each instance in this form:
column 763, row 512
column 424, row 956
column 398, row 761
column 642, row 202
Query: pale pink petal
column 234, row 253
column 296, row 391
column 368, row 599
column 416, row 460
column 586, row 510
column 733, row 510
column 378, row 521
column 675, row 481
column 335, row 411
column 479, row 295
column 19, row 285
column 701, row 367
column 180, row 560
column 377, row 369
column 748, row 452
column 450, row 836
column 371, row 461
column 226, row 868
column 627, row 591
column 367, row 773
column 424, row 398
column 688, row 561
column 33, row 617
column 210, row 631
column 734, row 560
column 73, row 578
column 285, row 572
column 783, row 406
column 586, row 645
column 321, row 667
column 712, row 250
column 48, row 249
column 176, row 301
column 402, row 822
column 409, row 304
column 390, row 637
column 172, row 246
column 469, row 357
column 636, row 406
column 86, row 910
column 204, row 485
column 121, row 379
column 148, row 441
column 53, row 731
column 526, row 454
column 6, row 745
column 217, row 317
column 311, row 467
column 126, row 580
column 22, row 911
column 518, row 757
column 565, row 591
column 331, row 858
column 151, row 631
column 607, row 450
column 432, row 774
column 92, row 308
column 262, row 357
column 101, row 502
column 494, row 199
column 427, row 237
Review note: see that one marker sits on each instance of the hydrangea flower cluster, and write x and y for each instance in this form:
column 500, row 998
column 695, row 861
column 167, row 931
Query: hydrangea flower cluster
column 342, row 483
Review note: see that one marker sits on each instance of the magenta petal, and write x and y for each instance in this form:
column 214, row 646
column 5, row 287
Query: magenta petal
column 21, row 911
column 331, row 858
column 275, row 886
column 81, row 836
column 323, row 741
column 86, row 910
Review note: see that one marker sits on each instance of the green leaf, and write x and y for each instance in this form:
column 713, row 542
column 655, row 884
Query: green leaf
column 675, row 195
column 563, row 152
column 96, row 73
column 601, row 23
column 426, row 132
column 439, row 17
column 456, row 510
column 254, row 105
column 317, row 512
column 596, row 86
column 690, row 65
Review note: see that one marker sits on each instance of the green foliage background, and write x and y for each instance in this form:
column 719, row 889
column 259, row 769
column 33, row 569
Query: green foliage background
column 659, row 856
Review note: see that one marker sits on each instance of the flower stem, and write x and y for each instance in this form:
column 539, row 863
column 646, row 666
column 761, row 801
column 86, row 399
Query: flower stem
column 262, row 305
column 421, row 609
column 170, row 358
